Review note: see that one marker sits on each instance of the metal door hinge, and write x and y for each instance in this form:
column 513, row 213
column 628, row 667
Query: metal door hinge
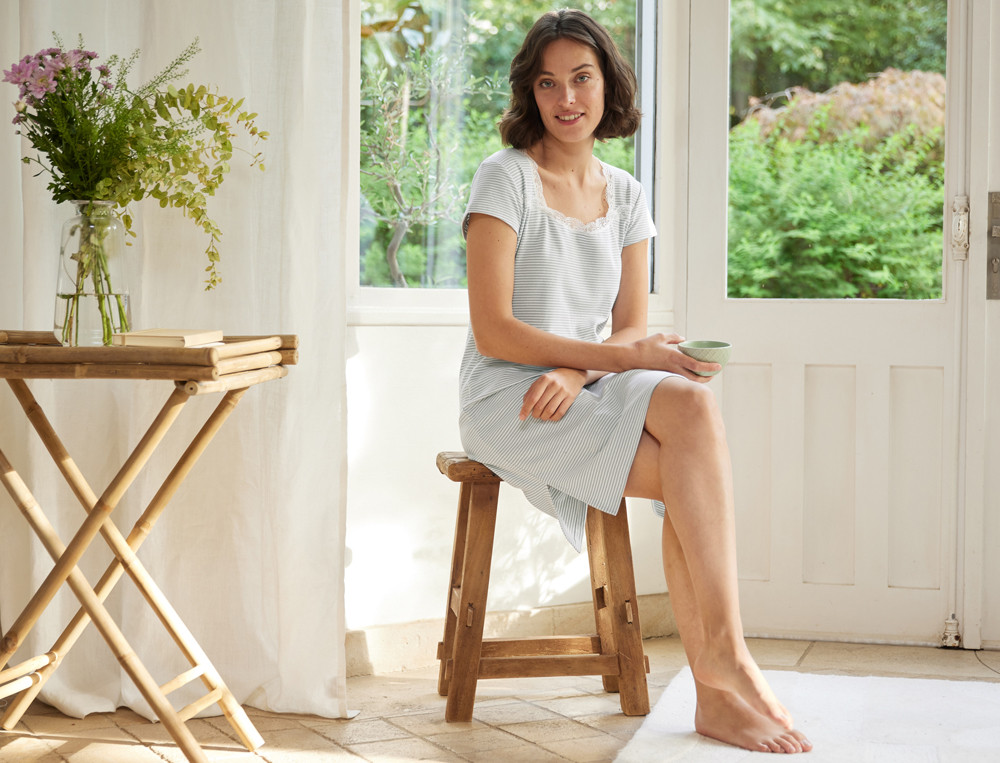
column 951, row 638
column 960, row 228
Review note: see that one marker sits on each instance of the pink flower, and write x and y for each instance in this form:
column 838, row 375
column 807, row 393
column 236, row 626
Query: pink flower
column 42, row 81
column 21, row 72
column 75, row 59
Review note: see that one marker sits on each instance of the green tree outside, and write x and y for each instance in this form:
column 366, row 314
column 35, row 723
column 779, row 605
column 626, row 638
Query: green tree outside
column 822, row 203
column 836, row 152
column 434, row 83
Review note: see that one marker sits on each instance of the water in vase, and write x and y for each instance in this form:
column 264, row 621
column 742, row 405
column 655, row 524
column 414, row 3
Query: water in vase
column 88, row 319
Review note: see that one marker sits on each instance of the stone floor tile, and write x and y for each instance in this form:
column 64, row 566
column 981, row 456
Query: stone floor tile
column 97, row 751
column 357, row 731
column 512, row 712
column 602, row 749
column 123, row 717
column 912, row 661
column 426, row 724
column 588, row 704
column 205, row 732
column 777, row 653
column 404, row 749
column 550, row 687
column 301, row 745
column 173, row 754
column 402, row 716
column 394, row 694
column 665, row 654
column 66, row 726
column 523, row 753
column 477, row 740
column 41, row 708
column 991, row 660
column 621, row 726
column 16, row 747
column 263, row 723
column 552, row 730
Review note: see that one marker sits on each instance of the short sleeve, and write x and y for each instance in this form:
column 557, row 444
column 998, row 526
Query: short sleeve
column 495, row 192
column 640, row 225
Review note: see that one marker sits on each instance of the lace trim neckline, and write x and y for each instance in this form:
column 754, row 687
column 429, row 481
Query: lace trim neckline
column 571, row 222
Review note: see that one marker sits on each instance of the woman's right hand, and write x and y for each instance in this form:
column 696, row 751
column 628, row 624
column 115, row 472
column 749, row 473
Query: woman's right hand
column 659, row 352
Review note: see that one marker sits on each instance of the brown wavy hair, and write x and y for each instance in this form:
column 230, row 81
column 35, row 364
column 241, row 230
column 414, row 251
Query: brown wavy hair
column 521, row 125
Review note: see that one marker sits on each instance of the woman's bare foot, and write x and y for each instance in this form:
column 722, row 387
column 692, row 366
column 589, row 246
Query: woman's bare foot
column 729, row 667
column 726, row 717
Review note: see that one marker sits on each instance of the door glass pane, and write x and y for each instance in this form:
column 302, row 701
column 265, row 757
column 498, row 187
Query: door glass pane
column 836, row 149
column 434, row 84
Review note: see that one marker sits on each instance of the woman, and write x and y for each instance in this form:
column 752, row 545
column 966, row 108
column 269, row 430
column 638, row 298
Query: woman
column 557, row 243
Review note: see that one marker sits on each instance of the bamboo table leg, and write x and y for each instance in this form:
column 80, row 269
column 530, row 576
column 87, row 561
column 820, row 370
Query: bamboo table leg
column 102, row 619
column 125, row 559
column 66, row 557
column 91, row 525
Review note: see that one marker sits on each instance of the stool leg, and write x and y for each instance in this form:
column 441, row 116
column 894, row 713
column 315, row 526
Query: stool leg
column 472, row 607
column 447, row 648
column 615, row 606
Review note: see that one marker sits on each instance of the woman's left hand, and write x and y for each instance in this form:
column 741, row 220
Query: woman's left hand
column 552, row 394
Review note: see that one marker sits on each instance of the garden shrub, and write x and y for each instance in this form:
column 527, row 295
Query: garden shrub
column 839, row 195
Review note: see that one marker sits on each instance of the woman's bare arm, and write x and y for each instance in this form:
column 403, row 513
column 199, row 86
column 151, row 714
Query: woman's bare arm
column 490, row 266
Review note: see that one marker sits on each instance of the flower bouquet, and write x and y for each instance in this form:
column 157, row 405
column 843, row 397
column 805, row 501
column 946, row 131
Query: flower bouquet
column 104, row 145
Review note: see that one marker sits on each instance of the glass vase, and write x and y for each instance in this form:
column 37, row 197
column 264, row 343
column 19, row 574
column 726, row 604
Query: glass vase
column 92, row 290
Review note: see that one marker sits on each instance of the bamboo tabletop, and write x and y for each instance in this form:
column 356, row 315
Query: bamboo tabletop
column 240, row 361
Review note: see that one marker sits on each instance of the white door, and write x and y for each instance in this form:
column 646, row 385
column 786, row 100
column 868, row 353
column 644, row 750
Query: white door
column 844, row 416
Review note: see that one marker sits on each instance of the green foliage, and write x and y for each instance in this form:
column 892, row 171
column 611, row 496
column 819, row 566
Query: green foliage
column 433, row 88
column 835, row 218
column 876, row 148
column 103, row 141
column 837, row 193
column 777, row 44
column 416, row 119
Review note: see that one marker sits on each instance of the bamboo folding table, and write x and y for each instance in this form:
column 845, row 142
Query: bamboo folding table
column 231, row 368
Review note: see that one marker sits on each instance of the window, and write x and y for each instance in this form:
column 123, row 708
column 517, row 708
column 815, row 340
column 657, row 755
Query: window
column 836, row 149
column 433, row 84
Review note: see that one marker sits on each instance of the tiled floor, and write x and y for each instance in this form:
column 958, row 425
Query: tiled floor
column 401, row 715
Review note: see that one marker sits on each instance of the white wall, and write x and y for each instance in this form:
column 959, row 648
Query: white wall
column 403, row 410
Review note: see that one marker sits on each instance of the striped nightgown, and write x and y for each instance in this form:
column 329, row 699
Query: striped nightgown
column 566, row 279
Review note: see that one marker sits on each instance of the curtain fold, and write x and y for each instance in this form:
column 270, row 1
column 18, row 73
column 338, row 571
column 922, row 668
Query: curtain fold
column 250, row 550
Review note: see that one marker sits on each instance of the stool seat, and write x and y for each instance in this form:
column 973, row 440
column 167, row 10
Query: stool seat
column 613, row 652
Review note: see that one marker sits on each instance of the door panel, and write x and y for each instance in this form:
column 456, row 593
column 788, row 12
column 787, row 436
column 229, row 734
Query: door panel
column 841, row 416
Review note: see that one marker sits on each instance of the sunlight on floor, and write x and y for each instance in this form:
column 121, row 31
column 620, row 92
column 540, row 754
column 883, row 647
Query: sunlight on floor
column 401, row 716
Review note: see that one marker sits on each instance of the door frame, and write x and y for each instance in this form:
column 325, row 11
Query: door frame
column 982, row 157
column 973, row 105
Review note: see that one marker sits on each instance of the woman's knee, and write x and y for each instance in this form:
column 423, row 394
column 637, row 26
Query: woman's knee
column 678, row 403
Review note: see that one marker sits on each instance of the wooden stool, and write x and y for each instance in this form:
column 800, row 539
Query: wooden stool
column 615, row 652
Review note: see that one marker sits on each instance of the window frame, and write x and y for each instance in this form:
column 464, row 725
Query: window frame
column 390, row 306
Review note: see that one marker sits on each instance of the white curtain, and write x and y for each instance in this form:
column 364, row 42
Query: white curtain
column 250, row 551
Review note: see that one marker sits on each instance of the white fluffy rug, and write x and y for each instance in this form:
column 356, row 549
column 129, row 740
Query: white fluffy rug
column 848, row 720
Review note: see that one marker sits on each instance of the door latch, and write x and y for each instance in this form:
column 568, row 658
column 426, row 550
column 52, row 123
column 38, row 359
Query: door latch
column 993, row 248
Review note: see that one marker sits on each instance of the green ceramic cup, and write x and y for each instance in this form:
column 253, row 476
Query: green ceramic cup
column 708, row 351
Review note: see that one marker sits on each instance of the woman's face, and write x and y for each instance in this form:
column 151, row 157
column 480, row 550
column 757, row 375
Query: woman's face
column 569, row 91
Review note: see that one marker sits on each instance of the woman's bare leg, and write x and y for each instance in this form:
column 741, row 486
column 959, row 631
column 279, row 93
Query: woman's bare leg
column 720, row 714
column 683, row 459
